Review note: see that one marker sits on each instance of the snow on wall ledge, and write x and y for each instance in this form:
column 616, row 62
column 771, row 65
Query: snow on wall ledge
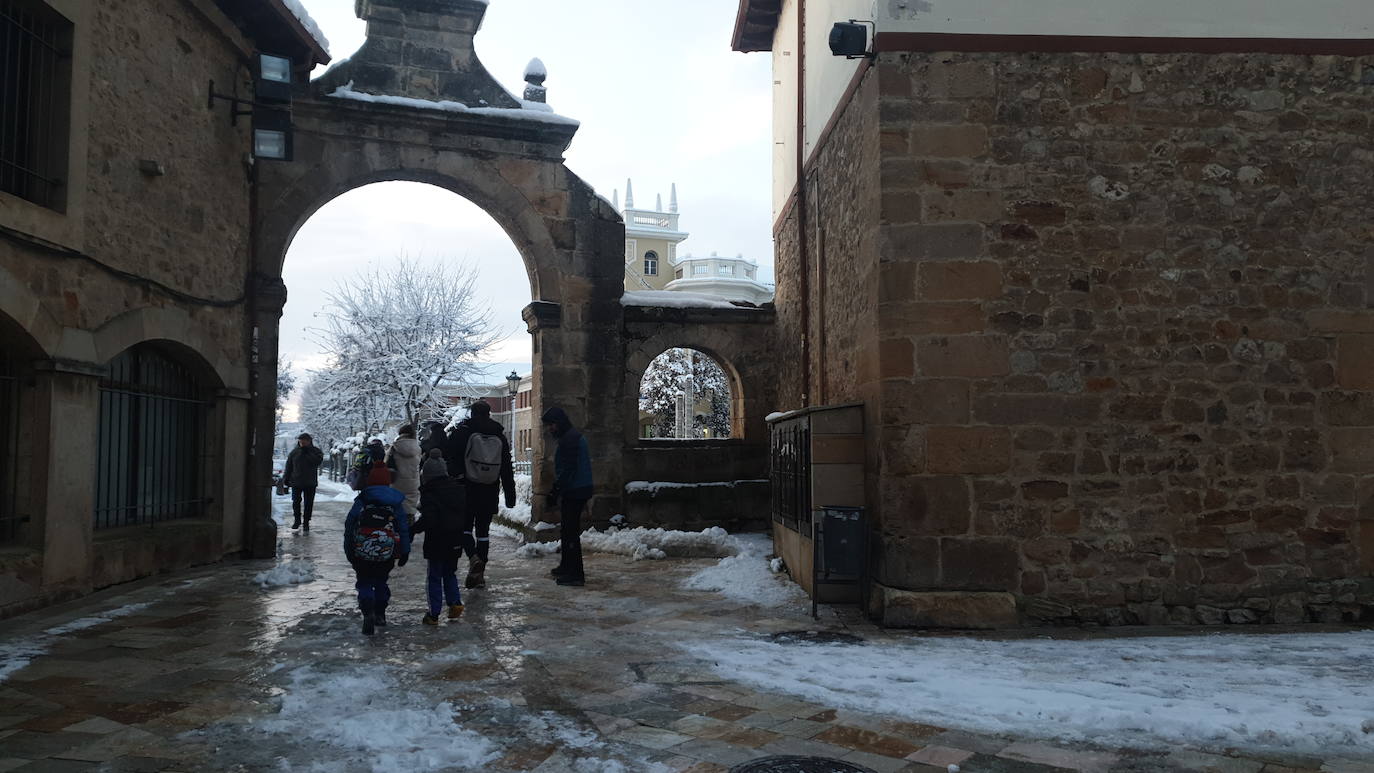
column 665, row 299
column 298, row 10
column 655, row 486
column 1315, row 19
column 542, row 114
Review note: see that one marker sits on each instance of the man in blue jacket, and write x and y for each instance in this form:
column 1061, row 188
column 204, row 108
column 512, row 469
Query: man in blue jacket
column 573, row 488
column 376, row 539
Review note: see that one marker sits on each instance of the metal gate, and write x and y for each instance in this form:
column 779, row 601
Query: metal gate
column 151, row 448
column 790, row 473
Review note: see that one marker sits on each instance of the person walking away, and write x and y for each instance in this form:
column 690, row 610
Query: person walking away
column 376, row 540
column 572, row 489
column 369, row 467
column 405, row 467
column 432, row 437
column 478, row 453
column 302, row 475
column 444, row 522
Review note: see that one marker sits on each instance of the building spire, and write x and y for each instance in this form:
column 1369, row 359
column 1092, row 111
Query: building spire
column 672, row 201
column 629, row 194
column 615, row 199
column 658, row 203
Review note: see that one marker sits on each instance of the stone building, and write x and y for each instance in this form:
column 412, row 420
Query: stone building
column 125, row 202
column 1105, row 300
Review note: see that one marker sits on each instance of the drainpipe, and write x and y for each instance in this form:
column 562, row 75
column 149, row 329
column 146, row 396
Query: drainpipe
column 803, row 242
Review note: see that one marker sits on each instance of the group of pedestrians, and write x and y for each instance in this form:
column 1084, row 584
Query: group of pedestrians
column 447, row 487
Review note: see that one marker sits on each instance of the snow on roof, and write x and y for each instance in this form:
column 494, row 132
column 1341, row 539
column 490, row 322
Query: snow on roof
column 298, row 10
column 674, row 300
column 526, row 113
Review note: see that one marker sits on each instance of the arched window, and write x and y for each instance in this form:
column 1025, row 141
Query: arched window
column 152, row 440
column 9, row 434
column 651, row 263
column 685, row 395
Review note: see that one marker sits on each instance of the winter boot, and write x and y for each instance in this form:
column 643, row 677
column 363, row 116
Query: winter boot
column 297, row 523
column 455, row 611
column 429, row 619
column 557, row 571
column 476, row 577
column 307, row 527
column 369, row 617
column 380, row 617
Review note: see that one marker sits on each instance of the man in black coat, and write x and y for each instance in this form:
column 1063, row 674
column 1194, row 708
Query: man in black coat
column 302, row 474
column 478, row 453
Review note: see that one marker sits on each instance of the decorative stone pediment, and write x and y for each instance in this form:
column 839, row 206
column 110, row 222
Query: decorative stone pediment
column 421, row 49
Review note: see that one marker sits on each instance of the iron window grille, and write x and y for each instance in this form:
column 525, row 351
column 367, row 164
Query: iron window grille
column 151, row 447
column 10, row 518
column 790, row 473
column 35, row 88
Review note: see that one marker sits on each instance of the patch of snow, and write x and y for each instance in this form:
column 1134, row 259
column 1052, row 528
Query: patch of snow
column 655, row 486
column 298, row 10
column 366, row 714
column 537, row 549
column 536, row 69
column 640, row 543
column 749, row 576
column 780, row 415
column 18, row 653
column 1305, row 694
column 776, row 565
column 521, row 113
column 293, row 572
column 672, row 299
column 545, row 526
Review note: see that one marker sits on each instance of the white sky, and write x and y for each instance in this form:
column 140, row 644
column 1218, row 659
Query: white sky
column 661, row 98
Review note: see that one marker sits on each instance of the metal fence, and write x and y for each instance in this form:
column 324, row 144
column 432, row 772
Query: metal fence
column 35, row 78
column 523, row 468
column 790, row 473
column 9, row 416
column 149, row 458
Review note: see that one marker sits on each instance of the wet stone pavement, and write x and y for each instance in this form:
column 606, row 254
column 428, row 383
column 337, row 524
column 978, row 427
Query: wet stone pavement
column 206, row 670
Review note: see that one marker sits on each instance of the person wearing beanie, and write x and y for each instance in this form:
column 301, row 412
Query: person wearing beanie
column 302, row 474
column 478, row 453
column 444, row 521
column 572, row 489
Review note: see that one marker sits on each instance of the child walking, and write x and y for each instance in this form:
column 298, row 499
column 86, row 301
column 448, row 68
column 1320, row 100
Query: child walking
column 376, row 540
column 444, row 521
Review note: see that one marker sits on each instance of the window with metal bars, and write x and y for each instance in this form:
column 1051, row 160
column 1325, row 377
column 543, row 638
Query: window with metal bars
column 151, row 447
column 35, row 92
column 9, row 421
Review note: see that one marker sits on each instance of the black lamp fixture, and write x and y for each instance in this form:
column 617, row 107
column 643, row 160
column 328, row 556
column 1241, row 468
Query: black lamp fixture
column 270, row 107
column 513, row 381
column 850, row 39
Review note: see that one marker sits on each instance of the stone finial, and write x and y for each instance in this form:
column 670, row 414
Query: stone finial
column 658, row 203
column 629, row 194
column 535, row 73
column 672, row 200
column 615, row 200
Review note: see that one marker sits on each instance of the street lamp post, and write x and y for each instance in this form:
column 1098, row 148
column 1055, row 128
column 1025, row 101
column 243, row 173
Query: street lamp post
column 512, row 381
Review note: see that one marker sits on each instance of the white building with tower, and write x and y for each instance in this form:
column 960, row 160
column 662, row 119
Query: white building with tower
column 652, row 262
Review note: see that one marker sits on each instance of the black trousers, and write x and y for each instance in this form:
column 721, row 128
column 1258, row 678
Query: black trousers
column 571, row 533
column 307, row 494
column 483, row 499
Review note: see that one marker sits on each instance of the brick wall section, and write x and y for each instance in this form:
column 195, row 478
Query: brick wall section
column 1126, row 354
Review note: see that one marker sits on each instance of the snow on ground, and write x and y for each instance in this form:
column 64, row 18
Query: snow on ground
column 749, row 576
column 292, row 572
column 536, row 549
column 18, row 653
column 673, row 299
column 640, row 543
column 1296, row 693
column 332, row 491
column 366, row 713
column 655, row 486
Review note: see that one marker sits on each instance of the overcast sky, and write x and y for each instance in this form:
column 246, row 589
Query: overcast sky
column 661, row 98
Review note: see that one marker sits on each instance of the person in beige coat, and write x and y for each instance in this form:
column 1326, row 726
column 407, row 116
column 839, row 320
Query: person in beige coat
column 405, row 460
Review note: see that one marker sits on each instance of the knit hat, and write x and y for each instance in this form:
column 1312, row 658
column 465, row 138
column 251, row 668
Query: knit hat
column 434, row 467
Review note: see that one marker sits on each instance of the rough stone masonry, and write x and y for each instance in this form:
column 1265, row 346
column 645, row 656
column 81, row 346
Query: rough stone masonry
column 1123, row 367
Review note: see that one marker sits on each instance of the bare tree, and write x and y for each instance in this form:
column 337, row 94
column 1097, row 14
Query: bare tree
column 396, row 336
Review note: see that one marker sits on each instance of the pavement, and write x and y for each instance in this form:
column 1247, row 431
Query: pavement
column 206, row 670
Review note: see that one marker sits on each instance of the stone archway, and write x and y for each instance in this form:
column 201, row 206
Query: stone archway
column 379, row 117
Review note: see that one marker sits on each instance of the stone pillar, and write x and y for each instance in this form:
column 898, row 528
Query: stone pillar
column 267, row 297
column 67, row 396
column 543, row 320
column 231, row 433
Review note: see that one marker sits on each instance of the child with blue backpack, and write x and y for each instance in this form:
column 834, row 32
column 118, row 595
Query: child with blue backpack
column 376, row 540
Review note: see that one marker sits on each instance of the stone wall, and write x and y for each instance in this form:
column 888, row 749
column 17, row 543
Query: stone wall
column 1130, row 296
column 1123, row 332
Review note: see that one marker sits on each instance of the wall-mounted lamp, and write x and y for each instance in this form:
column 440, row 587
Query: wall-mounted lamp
column 850, row 39
column 270, row 107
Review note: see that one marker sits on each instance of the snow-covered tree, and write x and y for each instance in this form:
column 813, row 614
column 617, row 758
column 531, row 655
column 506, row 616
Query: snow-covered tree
column 395, row 337
column 286, row 384
column 671, row 376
